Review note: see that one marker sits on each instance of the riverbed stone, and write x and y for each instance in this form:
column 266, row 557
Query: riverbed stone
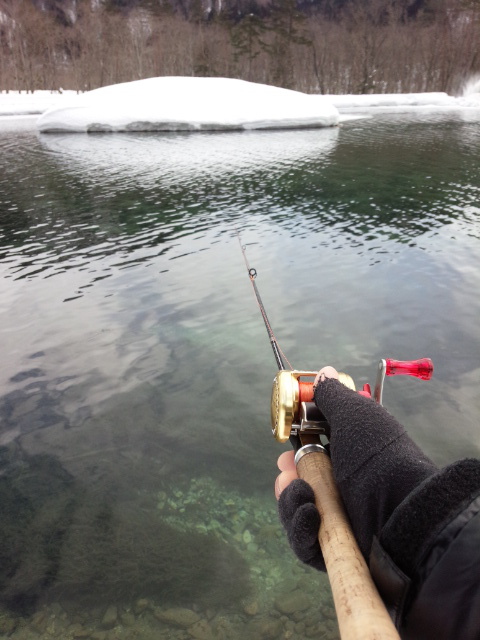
column 223, row 628
column 177, row 616
column 141, row 605
column 291, row 602
column 251, row 608
column 39, row 621
column 200, row 630
column 300, row 628
column 109, row 619
column 127, row 619
column 265, row 628
column 329, row 613
column 247, row 537
column 8, row 624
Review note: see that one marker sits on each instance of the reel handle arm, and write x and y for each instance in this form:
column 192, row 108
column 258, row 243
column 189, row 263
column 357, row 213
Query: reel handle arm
column 360, row 611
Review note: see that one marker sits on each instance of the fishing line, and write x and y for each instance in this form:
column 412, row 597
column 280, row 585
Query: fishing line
column 252, row 274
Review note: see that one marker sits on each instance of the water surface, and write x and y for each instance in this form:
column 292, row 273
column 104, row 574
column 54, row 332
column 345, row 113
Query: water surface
column 137, row 460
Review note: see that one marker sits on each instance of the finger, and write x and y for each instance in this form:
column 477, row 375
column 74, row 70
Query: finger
column 304, row 529
column 303, row 536
column 325, row 372
column 286, row 461
column 283, row 480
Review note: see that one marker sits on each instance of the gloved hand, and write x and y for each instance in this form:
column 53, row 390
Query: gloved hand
column 375, row 464
column 301, row 520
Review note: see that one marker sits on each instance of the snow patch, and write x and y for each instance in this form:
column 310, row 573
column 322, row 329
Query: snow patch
column 199, row 104
column 21, row 103
column 471, row 92
column 189, row 104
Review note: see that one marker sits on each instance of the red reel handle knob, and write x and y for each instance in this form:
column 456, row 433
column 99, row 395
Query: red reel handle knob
column 422, row 368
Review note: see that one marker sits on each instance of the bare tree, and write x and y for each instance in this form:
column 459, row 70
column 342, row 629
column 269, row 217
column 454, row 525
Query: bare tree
column 372, row 46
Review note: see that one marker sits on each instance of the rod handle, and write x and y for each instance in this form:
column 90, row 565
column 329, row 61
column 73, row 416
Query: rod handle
column 361, row 612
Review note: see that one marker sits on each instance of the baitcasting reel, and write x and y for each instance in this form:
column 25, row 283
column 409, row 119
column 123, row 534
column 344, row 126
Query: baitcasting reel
column 294, row 412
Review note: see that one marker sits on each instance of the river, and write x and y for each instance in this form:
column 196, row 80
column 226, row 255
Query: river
column 137, row 462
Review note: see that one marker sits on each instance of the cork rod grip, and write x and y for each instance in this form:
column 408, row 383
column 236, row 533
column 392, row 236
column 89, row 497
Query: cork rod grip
column 360, row 610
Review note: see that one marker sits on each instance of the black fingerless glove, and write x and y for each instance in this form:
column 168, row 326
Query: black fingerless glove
column 301, row 520
column 375, row 464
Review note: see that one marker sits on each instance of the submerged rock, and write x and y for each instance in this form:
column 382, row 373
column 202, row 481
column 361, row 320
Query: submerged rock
column 251, row 608
column 247, row 537
column 8, row 624
column 291, row 602
column 141, row 605
column 265, row 628
column 200, row 630
column 177, row 616
column 110, row 618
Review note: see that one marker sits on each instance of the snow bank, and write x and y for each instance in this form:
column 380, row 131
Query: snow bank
column 175, row 104
column 393, row 100
column 21, row 103
column 189, row 104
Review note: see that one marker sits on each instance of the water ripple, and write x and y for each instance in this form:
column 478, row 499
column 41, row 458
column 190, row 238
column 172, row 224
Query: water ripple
column 125, row 200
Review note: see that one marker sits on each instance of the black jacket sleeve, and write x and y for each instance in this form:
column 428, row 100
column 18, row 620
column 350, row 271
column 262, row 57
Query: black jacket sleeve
column 426, row 563
column 418, row 526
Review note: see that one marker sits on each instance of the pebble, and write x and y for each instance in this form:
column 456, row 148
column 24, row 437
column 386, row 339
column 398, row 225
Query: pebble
column 39, row 622
column 178, row 616
column 110, row 618
column 265, row 629
column 222, row 628
column 314, row 632
column 200, row 630
column 291, row 602
column 300, row 627
column 76, row 630
column 251, row 608
column 7, row 625
column 140, row 606
column 161, row 500
column 247, row 537
column 127, row 619
column 329, row 613
column 268, row 533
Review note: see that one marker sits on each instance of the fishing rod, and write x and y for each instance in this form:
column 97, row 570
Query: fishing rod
column 293, row 411
column 361, row 613
column 252, row 274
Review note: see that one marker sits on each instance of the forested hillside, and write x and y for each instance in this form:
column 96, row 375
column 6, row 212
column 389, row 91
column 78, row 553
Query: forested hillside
column 327, row 46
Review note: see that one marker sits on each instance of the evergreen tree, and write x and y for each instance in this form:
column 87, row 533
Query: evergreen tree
column 288, row 28
column 246, row 38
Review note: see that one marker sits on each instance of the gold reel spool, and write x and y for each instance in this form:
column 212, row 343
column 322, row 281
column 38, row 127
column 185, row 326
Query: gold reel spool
column 286, row 400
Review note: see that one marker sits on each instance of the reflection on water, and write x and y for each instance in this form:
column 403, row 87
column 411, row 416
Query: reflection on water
column 146, row 160
column 135, row 451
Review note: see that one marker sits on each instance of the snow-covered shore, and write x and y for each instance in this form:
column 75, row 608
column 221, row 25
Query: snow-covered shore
column 174, row 103
column 22, row 103
column 189, row 104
